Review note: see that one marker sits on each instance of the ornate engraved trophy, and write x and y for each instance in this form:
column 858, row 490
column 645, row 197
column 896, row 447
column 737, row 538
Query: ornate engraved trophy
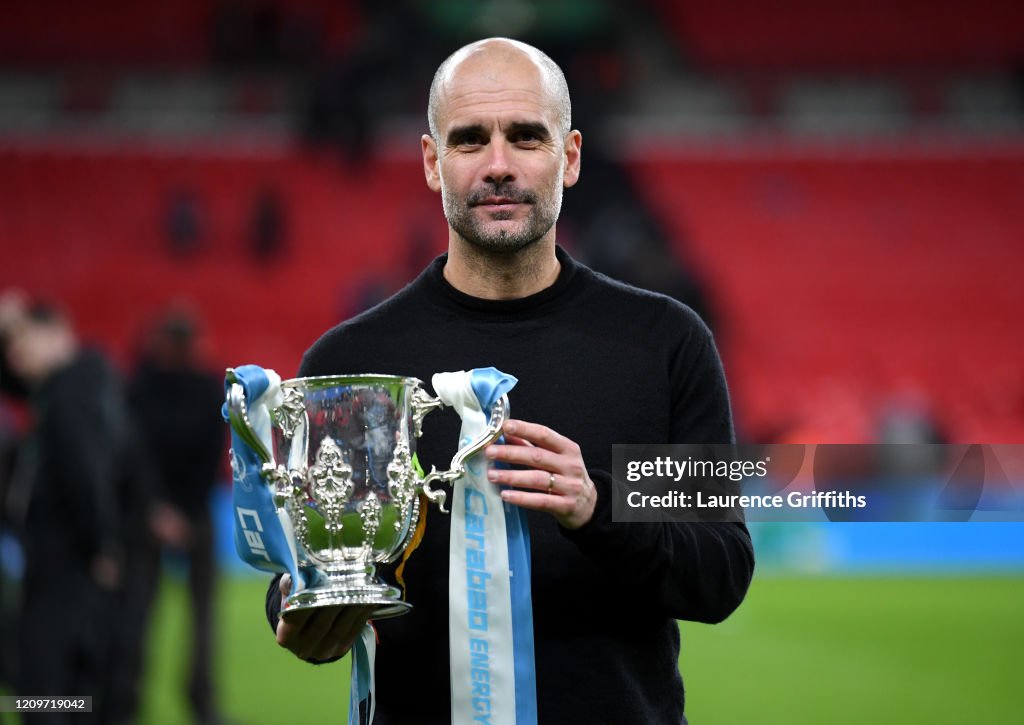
column 341, row 470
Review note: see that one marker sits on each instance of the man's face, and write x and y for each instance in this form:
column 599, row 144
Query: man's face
column 501, row 161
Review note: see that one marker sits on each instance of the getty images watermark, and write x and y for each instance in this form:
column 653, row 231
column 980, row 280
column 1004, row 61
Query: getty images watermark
column 897, row 482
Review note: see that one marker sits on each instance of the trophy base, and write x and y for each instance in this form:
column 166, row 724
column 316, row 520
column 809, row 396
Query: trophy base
column 386, row 600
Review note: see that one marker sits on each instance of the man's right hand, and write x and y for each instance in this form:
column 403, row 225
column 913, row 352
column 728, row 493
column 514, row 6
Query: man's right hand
column 322, row 633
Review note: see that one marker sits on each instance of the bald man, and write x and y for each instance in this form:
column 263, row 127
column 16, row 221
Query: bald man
column 599, row 363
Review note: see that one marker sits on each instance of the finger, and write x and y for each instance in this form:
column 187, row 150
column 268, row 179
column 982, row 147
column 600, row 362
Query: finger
column 540, row 435
column 515, row 440
column 285, row 585
column 529, row 456
column 560, row 506
column 543, row 481
column 291, row 625
column 307, row 635
column 347, row 627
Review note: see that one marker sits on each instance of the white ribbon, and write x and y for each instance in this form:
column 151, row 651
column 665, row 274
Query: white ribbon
column 483, row 686
column 363, row 680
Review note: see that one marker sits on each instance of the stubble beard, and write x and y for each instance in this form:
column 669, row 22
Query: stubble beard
column 543, row 213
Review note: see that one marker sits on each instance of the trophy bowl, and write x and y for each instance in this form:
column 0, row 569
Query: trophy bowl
column 341, row 467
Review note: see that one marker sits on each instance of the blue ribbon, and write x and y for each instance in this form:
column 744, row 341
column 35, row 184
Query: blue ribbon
column 360, row 681
column 489, row 385
column 259, row 537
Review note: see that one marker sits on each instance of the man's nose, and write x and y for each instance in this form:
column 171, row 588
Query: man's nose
column 499, row 165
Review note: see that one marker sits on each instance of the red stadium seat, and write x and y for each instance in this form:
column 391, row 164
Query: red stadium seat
column 877, row 269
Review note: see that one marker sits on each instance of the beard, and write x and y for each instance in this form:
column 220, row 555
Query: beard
column 542, row 215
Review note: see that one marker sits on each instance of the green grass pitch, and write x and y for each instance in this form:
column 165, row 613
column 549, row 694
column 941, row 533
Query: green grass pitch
column 833, row 650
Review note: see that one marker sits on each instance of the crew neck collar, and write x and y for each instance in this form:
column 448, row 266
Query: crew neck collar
column 434, row 277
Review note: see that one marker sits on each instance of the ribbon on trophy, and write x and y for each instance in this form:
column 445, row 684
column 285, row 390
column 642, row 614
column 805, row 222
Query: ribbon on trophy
column 362, row 685
column 263, row 533
column 263, row 536
column 490, row 620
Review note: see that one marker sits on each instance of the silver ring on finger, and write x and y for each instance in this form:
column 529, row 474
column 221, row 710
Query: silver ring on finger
column 551, row 484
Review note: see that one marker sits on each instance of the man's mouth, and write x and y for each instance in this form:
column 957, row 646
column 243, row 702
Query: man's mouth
column 498, row 202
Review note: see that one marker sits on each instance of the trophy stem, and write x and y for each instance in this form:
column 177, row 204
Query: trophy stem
column 355, row 586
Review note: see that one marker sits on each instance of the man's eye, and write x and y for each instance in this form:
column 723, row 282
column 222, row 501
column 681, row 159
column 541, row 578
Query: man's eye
column 471, row 140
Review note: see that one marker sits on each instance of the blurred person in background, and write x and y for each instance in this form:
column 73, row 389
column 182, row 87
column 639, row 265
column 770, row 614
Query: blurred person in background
column 13, row 306
column 184, row 222
column 64, row 500
column 268, row 226
column 12, row 391
column 176, row 402
column 8, row 568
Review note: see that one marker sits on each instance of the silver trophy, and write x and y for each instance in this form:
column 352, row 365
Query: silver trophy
column 341, row 469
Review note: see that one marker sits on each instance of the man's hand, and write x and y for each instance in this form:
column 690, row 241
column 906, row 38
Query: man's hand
column 322, row 633
column 557, row 479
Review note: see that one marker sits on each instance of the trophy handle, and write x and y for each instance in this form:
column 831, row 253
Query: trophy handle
column 422, row 403
column 499, row 411
column 238, row 416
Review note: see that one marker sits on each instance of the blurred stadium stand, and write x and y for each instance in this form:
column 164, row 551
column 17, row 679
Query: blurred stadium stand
column 87, row 227
column 845, row 180
column 843, row 276
column 843, row 35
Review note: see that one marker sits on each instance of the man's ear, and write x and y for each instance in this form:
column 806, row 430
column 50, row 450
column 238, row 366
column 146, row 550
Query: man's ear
column 430, row 168
column 573, row 145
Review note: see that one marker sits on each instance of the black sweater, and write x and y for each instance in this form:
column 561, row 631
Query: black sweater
column 601, row 363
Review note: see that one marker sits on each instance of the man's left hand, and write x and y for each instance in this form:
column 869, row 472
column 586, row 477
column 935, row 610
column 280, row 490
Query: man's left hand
column 556, row 478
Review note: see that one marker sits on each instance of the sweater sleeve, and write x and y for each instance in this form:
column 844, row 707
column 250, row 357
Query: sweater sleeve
column 274, row 602
column 697, row 571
